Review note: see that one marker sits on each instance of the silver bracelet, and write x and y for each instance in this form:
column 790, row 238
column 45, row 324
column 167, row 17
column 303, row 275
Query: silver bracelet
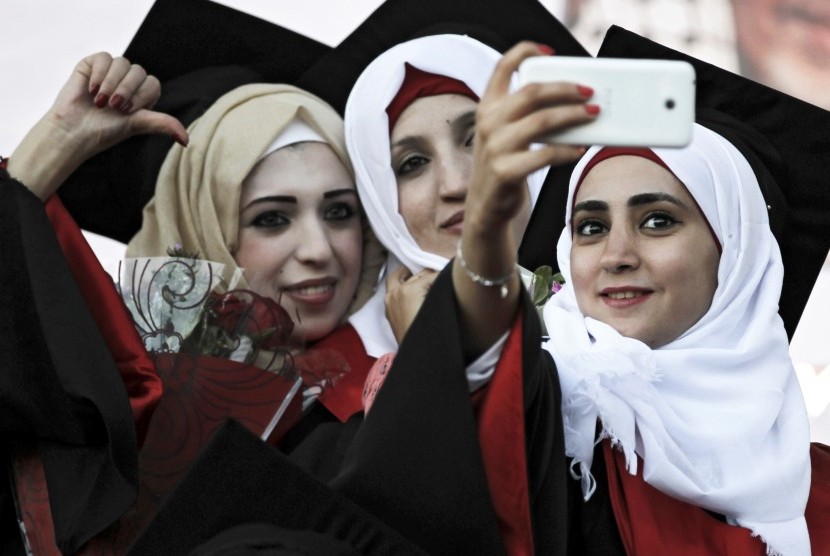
column 481, row 280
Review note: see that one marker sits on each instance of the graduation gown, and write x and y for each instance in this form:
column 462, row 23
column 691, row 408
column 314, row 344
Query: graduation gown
column 77, row 387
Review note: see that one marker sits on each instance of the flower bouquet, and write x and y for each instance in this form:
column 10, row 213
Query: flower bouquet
column 221, row 353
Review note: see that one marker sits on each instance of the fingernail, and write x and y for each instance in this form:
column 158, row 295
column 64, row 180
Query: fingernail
column 126, row 107
column 116, row 101
column 545, row 49
column 592, row 109
column 101, row 100
column 94, row 90
column 180, row 141
column 585, row 91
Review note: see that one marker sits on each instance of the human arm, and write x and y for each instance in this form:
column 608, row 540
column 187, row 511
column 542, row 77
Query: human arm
column 506, row 125
column 76, row 127
column 424, row 418
column 61, row 388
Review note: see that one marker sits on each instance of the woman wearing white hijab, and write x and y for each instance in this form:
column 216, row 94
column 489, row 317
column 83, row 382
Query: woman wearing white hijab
column 688, row 374
column 368, row 130
column 410, row 132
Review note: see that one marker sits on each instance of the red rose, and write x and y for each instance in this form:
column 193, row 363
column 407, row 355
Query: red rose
column 245, row 313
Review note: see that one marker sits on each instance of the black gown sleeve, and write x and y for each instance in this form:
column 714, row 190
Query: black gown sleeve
column 416, row 460
column 60, row 391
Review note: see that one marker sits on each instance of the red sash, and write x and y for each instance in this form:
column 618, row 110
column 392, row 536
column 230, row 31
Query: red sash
column 651, row 522
column 501, row 434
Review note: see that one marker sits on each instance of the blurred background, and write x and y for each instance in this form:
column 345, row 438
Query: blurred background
column 782, row 43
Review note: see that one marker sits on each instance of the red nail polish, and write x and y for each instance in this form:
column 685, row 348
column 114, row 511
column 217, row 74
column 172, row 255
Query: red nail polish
column 592, row 109
column 545, row 49
column 101, row 100
column 585, row 91
column 116, row 101
column 94, row 91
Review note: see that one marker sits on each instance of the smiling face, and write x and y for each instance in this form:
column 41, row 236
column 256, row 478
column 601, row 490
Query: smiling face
column 432, row 157
column 643, row 258
column 300, row 235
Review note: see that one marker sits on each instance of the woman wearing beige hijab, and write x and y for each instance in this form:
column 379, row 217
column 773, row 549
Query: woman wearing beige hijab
column 264, row 185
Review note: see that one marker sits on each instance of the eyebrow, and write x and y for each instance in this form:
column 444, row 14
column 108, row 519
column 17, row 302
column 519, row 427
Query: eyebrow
column 408, row 142
column 649, row 198
column 339, row 192
column 293, row 200
column 272, row 199
column 462, row 123
column 633, row 201
column 592, row 206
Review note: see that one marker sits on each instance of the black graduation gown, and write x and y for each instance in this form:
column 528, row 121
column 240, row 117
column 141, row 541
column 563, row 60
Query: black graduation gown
column 60, row 391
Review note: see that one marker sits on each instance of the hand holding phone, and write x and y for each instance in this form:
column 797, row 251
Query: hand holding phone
column 643, row 103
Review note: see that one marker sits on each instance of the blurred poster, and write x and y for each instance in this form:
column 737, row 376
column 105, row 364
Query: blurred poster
column 782, row 43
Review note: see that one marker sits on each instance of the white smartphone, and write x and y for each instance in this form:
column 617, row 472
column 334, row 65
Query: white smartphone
column 643, row 103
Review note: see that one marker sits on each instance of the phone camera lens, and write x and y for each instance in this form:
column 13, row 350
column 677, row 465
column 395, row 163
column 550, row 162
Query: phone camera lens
column 670, row 104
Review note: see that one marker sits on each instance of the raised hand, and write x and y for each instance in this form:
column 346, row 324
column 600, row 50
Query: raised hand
column 104, row 101
column 506, row 126
column 107, row 100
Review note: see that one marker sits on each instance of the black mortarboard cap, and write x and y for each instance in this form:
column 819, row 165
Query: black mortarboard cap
column 238, row 480
column 497, row 23
column 787, row 143
column 199, row 50
column 180, row 36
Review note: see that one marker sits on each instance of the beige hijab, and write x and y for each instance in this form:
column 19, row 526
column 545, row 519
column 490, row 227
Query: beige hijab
column 196, row 203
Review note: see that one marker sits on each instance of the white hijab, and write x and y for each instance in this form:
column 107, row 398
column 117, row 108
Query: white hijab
column 717, row 414
column 367, row 140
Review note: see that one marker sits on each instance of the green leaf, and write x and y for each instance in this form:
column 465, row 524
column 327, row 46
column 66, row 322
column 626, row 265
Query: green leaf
column 541, row 291
column 544, row 271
